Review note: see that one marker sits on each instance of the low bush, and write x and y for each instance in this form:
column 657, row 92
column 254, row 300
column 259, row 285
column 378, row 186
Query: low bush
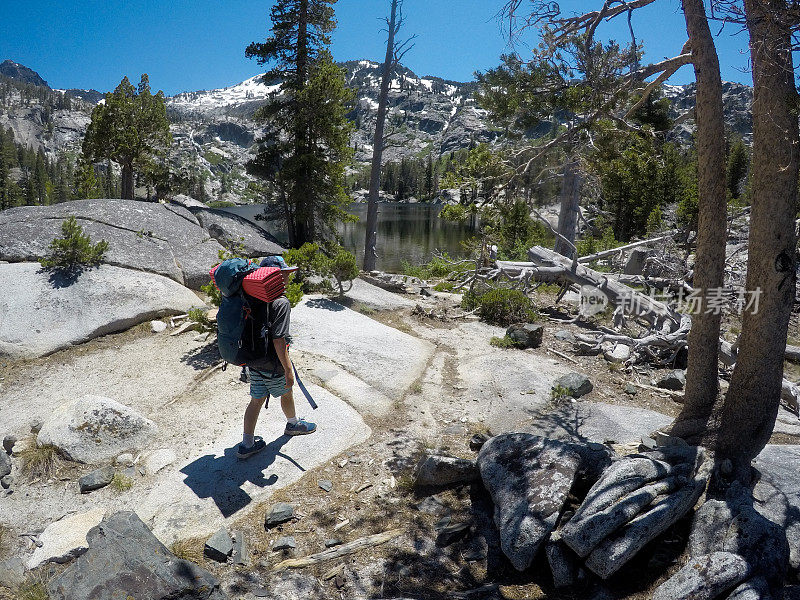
column 121, row 483
column 503, row 342
column 501, row 306
column 74, row 250
column 40, row 462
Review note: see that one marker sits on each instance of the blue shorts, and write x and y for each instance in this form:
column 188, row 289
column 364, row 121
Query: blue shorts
column 264, row 384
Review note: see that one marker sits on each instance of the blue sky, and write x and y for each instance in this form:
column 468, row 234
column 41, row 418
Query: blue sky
column 187, row 45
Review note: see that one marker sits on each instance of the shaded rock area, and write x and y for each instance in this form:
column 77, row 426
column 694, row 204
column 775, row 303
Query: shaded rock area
column 528, row 335
column 635, row 500
column 444, row 471
column 573, row 384
column 707, row 576
column 94, row 429
column 70, row 310
column 233, row 231
column 164, row 239
column 124, row 555
column 528, row 478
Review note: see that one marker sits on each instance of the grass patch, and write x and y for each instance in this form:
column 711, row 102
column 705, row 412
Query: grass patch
column 33, row 589
column 363, row 309
column 220, row 204
column 121, row 483
column 445, row 286
column 213, row 158
column 42, row 462
column 416, row 388
column 190, row 549
column 503, row 342
column 559, row 392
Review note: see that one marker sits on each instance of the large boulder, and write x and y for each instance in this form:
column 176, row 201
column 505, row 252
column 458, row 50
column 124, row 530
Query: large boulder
column 163, row 239
column 42, row 312
column 94, row 429
column 528, row 478
column 704, row 578
column 125, row 560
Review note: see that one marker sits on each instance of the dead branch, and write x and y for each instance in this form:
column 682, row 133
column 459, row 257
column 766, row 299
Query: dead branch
column 598, row 255
column 343, row 550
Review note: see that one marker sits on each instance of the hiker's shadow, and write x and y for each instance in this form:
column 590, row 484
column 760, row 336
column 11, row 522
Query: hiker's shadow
column 221, row 477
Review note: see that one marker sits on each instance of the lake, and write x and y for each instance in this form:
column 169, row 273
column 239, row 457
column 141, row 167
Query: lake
column 406, row 232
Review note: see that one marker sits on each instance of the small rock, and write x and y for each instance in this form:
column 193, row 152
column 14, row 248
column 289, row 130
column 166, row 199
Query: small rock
column 674, row 380
column 618, row 354
column 8, row 443
column 445, row 470
column 158, row 460
column 279, row 513
column 325, row 484
column 21, row 446
column 452, row 534
column 647, row 443
column 630, row 389
column 5, row 464
column 124, row 460
column 219, row 546
column 6, row 481
column 565, row 336
column 97, row 479
column 158, row 326
column 36, row 425
column 285, row 543
column 431, row 505
column 241, row 549
column 575, row 384
column 477, row 441
column 65, row 539
column 528, row 335
column 330, row 543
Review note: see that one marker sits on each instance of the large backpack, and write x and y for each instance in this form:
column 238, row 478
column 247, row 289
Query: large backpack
column 241, row 320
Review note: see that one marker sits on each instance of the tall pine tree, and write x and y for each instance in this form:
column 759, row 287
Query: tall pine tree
column 130, row 128
column 306, row 146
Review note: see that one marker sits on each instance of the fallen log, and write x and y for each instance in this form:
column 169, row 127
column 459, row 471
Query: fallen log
column 339, row 551
column 605, row 253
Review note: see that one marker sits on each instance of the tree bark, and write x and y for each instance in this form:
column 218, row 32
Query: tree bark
column 371, row 236
column 752, row 403
column 127, row 181
column 570, row 201
column 702, row 383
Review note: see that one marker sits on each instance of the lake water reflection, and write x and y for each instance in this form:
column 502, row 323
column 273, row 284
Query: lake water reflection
column 406, row 232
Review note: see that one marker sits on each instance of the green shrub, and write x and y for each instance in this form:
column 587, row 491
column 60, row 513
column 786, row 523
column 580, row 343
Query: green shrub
column 220, row 204
column 437, row 267
column 199, row 316
column 294, row 292
column 457, row 212
column 343, row 268
column 501, row 306
column 503, row 342
column 74, row 250
column 121, row 483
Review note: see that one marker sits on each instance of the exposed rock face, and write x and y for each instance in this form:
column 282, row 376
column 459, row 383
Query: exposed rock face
column 124, row 557
column 65, row 539
column 706, row 577
column 163, row 239
column 635, row 500
column 528, row 478
column 94, row 429
column 41, row 312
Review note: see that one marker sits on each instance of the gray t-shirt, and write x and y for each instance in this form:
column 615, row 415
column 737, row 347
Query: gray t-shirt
column 276, row 324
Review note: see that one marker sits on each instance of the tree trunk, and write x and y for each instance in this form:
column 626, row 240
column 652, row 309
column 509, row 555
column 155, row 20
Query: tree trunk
column 371, row 236
column 752, row 402
column 304, row 210
column 702, row 374
column 570, row 201
column 127, row 181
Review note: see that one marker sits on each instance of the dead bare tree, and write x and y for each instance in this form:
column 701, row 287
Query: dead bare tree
column 394, row 53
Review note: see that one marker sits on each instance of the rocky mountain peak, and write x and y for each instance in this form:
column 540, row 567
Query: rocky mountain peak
column 14, row 70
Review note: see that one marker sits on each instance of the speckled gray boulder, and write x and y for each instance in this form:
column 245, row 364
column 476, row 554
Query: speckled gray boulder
column 528, row 478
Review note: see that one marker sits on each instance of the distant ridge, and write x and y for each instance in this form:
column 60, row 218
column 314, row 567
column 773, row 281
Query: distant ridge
column 14, row 70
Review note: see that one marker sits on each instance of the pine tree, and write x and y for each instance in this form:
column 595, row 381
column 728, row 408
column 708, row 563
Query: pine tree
column 306, row 146
column 738, row 165
column 130, row 128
